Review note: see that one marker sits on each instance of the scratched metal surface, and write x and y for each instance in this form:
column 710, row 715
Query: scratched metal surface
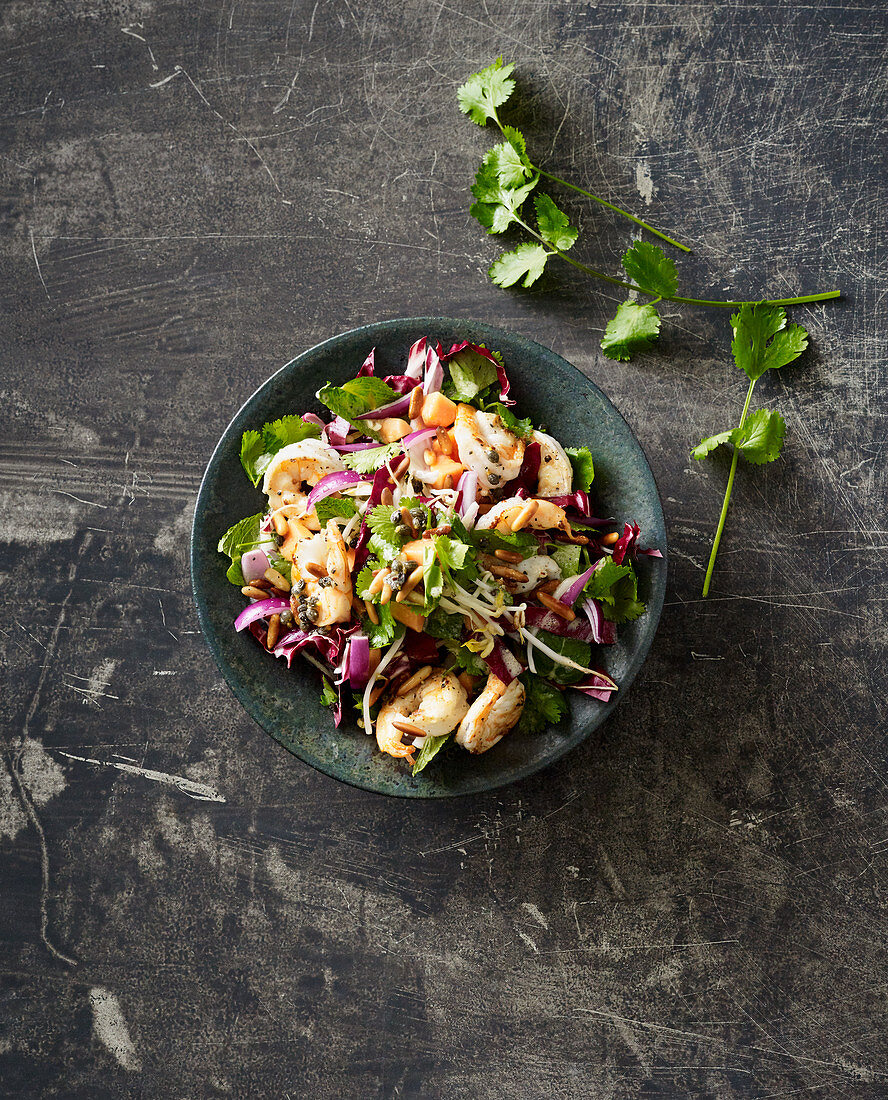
column 695, row 903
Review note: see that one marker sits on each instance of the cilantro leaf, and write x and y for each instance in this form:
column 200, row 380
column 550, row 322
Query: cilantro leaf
column 238, row 539
column 606, row 575
column 515, row 156
column 617, row 592
column 470, row 373
column 451, row 553
column 648, row 266
column 486, row 90
column 754, row 326
column 633, row 328
column 498, row 201
column 440, row 624
column 252, row 454
column 760, row 440
column 334, row 508
column 366, row 462
column 583, row 467
column 467, row 660
column 522, row 428
column 555, row 227
column 526, row 262
column 385, row 541
column 382, row 633
column 544, row 705
column 365, row 579
column 490, row 540
column 572, row 648
column 430, row 749
column 357, row 396
column 289, row 429
column 711, row 442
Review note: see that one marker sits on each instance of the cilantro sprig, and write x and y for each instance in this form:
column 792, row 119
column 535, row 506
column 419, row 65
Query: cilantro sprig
column 762, row 341
column 505, row 180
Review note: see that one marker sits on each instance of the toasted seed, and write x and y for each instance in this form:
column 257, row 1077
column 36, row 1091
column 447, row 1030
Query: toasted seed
column 277, row 579
column 386, row 498
column 508, row 555
column 578, row 540
column 415, row 680
column 444, row 529
column 525, row 515
column 298, row 528
column 253, row 592
column 610, row 538
column 411, row 583
column 403, row 726
column 407, row 519
column 279, row 592
column 274, row 629
column 260, row 582
column 386, row 593
column 429, row 457
column 372, row 613
column 279, row 523
column 378, row 581
column 401, row 467
column 549, row 587
column 317, row 571
column 444, row 441
column 415, row 405
column 508, row 572
column 448, row 481
column 557, row 607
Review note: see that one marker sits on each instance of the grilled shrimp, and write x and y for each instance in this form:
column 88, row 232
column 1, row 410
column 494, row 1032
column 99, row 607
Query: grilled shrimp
column 538, row 569
column 556, row 472
column 545, row 516
column 328, row 596
column 293, row 467
column 486, row 446
column 492, row 715
column 436, row 706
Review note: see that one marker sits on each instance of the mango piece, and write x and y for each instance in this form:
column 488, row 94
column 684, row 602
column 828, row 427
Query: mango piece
column 438, row 411
column 407, row 615
column 393, row 428
column 446, row 467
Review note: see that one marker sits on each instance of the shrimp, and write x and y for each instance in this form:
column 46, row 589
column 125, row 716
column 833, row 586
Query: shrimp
column 293, row 467
column 547, row 515
column 437, row 706
column 321, row 564
column 556, row 472
column 492, row 715
column 538, row 569
column 487, row 447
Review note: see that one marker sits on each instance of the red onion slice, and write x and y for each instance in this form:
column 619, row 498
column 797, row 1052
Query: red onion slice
column 571, row 587
column 333, row 483
column 253, row 564
column 260, row 610
column 357, row 661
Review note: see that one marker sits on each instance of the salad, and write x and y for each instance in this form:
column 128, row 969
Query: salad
column 433, row 555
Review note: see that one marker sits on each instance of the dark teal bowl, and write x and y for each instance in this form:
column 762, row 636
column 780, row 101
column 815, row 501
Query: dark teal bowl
column 285, row 701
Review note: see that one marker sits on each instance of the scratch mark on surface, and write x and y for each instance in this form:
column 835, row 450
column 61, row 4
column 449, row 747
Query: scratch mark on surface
column 129, row 30
column 111, row 1030
column 37, row 264
column 524, row 936
column 201, row 791
column 535, row 913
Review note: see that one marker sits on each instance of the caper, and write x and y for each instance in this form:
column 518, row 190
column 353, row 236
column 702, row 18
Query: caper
column 419, row 518
column 395, row 581
column 286, row 617
column 494, row 479
column 395, row 517
column 325, row 582
column 493, row 455
column 311, row 613
column 402, row 530
column 299, row 586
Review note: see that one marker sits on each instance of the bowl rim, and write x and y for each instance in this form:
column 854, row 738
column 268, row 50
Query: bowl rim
column 247, row 699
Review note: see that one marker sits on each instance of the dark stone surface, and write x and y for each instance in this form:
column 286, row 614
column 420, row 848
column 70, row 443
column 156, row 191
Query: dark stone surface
column 694, row 903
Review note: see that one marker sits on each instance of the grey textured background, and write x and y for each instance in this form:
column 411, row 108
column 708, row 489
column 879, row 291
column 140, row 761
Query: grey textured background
column 694, row 904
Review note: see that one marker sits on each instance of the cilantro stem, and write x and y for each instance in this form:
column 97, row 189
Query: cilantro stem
column 728, row 488
column 610, row 206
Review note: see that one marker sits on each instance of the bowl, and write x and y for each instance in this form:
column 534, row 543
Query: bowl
column 285, row 702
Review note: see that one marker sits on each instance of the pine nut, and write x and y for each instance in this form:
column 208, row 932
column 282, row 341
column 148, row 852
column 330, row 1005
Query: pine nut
column 315, row 570
column 508, row 555
column 279, row 523
column 610, row 538
column 411, row 583
column 371, row 613
column 556, row 606
column 375, row 586
column 548, row 587
column 415, row 680
column 253, row 592
column 525, row 515
column 298, row 528
column 277, row 579
column 430, row 457
column 274, row 630
column 403, row 726
column 386, row 498
column 386, row 593
column 415, row 406
column 408, row 519
column 260, row 582
column 377, row 691
column 401, row 467
column 508, row 572
column 375, row 658
column 444, row 441
column 448, row 481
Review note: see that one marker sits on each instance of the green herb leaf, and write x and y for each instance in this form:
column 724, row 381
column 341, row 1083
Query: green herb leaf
column 526, row 262
column 432, row 579
column 491, row 540
column 602, row 581
column 567, row 558
column 430, row 749
column 544, row 705
column 289, row 429
column 365, row 579
column 618, row 594
column 486, row 90
column 710, row 443
column 467, row 660
column 470, row 373
column 238, row 539
column 498, row 201
column 648, row 266
column 555, row 227
column 382, row 633
column 366, row 462
column 583, row 467
column 385, row 541
column 511, row 160
column 760, row 440
column 334, row 508
column 572, row 648
column 522, row 428
column 328, row 693
column 253, row 457
column 357, row 396
column 754, row 326
column 440, row 624
column 633, row 328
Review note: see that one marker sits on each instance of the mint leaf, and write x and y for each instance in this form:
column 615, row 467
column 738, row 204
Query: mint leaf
column 583, row 467
column 754, row 326
column 486, row 90
column 430, row 749
column 544, row 705
column 555, row 227
column 328, row 693
column 760, row 440
column 470, row 373
column 367, row 462
column 334, row 508
column 357, row 396
column 650, row 268
column 711, row 442
column 633, row 328
column 238, row 539
column 253, row 457
column 526, row 262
